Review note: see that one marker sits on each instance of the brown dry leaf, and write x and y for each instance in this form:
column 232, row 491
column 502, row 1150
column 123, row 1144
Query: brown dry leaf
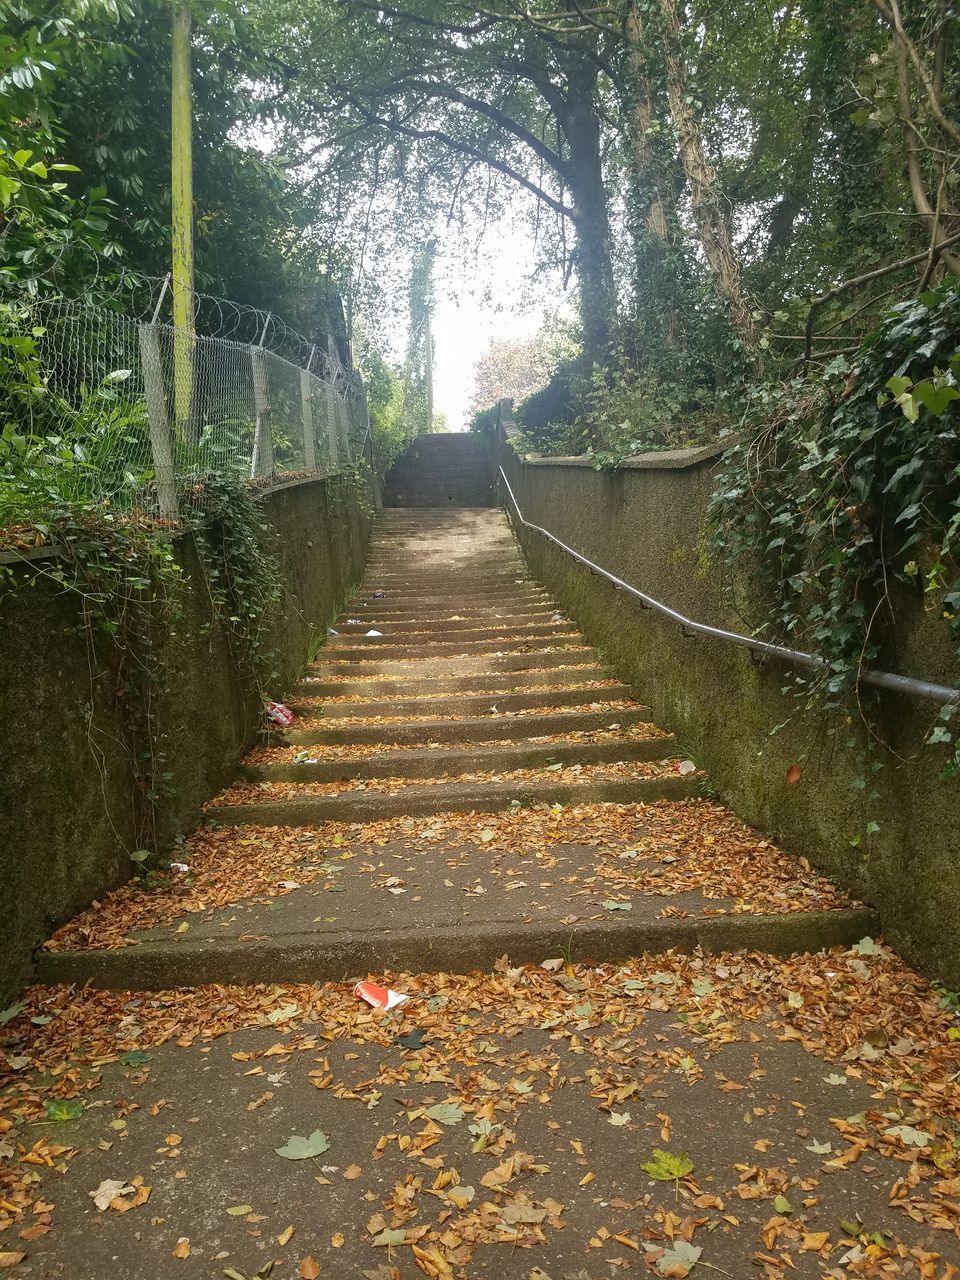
column 10, row 1259
column 813, row 1241
column 309, row 1268
column 338, row 1240
column 286, row 1235
column 793, row 775
column 182, row 1248
column 352, row 1172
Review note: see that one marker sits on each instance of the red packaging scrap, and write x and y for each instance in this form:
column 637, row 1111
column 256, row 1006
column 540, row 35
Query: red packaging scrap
column 379, row 997
column 280, row 714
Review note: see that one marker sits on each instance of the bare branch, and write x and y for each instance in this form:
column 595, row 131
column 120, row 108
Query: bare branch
column 465, row 149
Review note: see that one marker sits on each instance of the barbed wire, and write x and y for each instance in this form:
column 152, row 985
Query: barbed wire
column 136, row 410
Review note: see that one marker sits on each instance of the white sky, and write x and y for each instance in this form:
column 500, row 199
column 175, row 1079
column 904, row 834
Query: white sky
column 488, row 297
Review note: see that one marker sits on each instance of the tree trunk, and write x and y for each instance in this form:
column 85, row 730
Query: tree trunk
column 708, row 214
column 590, row 216
column 654, row 190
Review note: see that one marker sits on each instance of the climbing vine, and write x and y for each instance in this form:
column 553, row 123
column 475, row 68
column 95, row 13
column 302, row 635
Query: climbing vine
column 234, row 542
column 844, row 499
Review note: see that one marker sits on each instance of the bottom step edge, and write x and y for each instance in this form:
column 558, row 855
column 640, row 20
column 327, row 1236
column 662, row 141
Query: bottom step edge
column 304, row 958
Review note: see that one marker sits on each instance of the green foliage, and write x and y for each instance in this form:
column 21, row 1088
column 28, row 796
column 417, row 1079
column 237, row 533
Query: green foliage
column 234, row 542
column 844, row 500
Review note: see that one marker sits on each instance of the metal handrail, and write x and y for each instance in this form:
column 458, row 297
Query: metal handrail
column 880, row 679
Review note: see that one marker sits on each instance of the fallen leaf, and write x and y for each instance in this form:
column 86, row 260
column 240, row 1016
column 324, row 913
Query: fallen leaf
column 182, row 1248
column 309, row 1268
column 667, row 1167
column 445, row 1113
column 298, row 1148
column 108, row 1190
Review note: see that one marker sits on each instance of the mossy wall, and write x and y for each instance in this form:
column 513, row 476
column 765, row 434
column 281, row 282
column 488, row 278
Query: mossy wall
column 647, row 524
column 68, row 788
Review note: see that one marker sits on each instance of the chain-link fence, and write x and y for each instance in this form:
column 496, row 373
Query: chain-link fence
column 139, row 411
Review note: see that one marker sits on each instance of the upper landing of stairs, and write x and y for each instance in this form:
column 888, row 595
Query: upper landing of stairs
column 450, row 470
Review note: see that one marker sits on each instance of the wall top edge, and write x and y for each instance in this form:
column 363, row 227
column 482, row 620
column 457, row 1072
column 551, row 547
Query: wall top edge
column 666, row 460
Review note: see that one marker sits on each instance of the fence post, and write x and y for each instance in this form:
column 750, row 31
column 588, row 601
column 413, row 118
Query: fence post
column 261, row 464
column 332, row 415
column 161, row 438
column 306, row 408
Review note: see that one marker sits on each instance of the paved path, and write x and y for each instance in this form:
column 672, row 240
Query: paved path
column 474, row 811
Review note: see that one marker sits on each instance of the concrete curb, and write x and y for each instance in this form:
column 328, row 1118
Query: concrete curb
column 158, row 966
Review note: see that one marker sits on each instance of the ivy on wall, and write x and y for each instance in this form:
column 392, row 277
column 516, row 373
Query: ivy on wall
column 844, row 498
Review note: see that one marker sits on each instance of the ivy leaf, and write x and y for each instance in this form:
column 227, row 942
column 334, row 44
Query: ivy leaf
column 304, row 1148
column 61, row 1109
column 445, row 1113
column 414, row 1039
column 667, row 1167
column 782, row 1205
column 610, row 905
column 702, row 987
column 11, row 1011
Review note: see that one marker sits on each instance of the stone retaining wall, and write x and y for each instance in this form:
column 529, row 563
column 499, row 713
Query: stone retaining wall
column 68, row 799
column 647, row 523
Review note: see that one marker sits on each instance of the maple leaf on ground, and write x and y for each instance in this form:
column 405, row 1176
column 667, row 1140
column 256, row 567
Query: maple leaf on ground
column 664, row 1166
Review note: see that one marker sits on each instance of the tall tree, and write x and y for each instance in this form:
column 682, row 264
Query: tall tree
column 443, row 93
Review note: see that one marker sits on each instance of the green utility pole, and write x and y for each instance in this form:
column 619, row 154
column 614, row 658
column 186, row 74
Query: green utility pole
column 181, row 147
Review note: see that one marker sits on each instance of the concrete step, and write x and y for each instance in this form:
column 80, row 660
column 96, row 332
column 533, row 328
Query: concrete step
column 449, row 797
column 357, row 638
column 336, row 650
column 470, row 629
column 415, row 603
column 454, row 664
column 451, row 590
column 463, row 704
column 309, row 956
column 417, row 619
column 470, row 728
column 460, row 760
column 375, row 575
column 514, row 682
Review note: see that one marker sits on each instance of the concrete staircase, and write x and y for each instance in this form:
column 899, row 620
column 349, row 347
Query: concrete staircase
column 495, row 787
